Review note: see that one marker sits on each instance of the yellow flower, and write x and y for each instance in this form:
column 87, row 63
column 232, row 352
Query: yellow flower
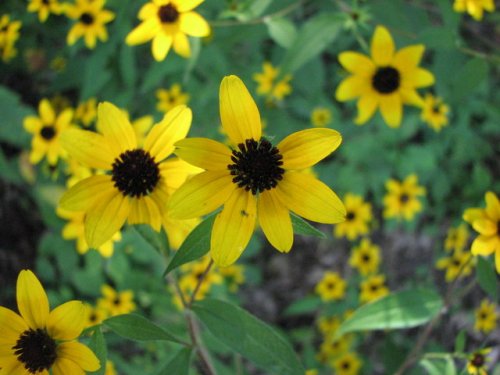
column 256, row 179
column 434, row 112
column 347, row 364
column 47, row 130
column 486, row 317
column 456, row 238
column 330, row 349
column 267, row 85
column 110, row 368
column 373, row 288
column 401, row 200
column 91, row 19
column 168, row 23
column 457, row 264
column 116, row 303
column 44, row 8
column 58, row 64
column 40, row 340
column 95, row 315
column 168, row 99
column 86, row 112
column 321, row 116
column 365, row 257
column 387, row 80
column 9, row 34
column 328, row 325
column 312, row 372
column 476, row 364
column 474, row 7
column 486, row 221
column 358, row 216
column 193, row 272
column 140, row 180
column 76, row 172
column 331, row 287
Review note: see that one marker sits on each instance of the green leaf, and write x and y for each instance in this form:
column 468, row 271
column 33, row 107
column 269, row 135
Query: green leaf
column 98, row 345
column 444, row 366
column 303, row 306
column 300, row 226
column 460, row 342
column 487, row 277
column 404, row 309
column 13, row 114
column 469, row 78
column 157, row 240
column 136, row 327
column 127, row 66
column 179, row 365
column 249, row 336
column 194, row 246
column 282, row 31
column 311, row 40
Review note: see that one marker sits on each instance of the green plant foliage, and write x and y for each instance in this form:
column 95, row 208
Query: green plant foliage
column 98, row 345
column 487, row 277
column 300, row 226
column 178, row 365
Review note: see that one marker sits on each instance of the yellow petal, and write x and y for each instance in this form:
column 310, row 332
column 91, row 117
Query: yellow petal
column 116, row 128
column 310, row 198
column 352, row 87
column 63, row 366
column 84, row 193
column 32, row 124
column 145, row 211
column 408, row 58
column 148, row 10
column 181, row 45
column 11, row 325
column 233, row 228
column 193, row 24
column 357, row 63
column 67, row 321
column 419, row 78
column 484, row 245
column 32, row 301
column 204, row 153
column 174, row 127
column 161, row 45
column 382, row 46
column 307, row 147
column 391, row 109
column 143, row 33
column 492, row 206
column 239, row 114
column 186, row 5
column 367, row 105
column 485, row 226
column 15, row 367
column 175, row 172
column 497, row 258
column 47, row 114
column 89, row 148
column 79, row 354
column 472, row 214
column 274, row 219
column 201, row 195
column 178, row 230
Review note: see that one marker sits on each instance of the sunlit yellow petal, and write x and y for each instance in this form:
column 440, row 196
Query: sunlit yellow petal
column 161, row 45
column 116, row 128
column 408, row 58
column 420, row 78
column 357, row 63
column 145, row 211
column 367, row 106
column 89, row 148
column 351, row 88
column 472, row 214
column 11, row 325
column 391, row 109
column 492, row 206
column 193, row 24
column 66, row 321
column 485, row 226
column 64, row 366
column 47, row 113
column 148, row 10
column 143, row 33
column 84, row 193
column 181, row 45
column 186, row 5
column 32, row 301
column 484, row 245
column 204, row 153
column 80, row 354
column 175, row 172
column 382, row 46
column 274, row 219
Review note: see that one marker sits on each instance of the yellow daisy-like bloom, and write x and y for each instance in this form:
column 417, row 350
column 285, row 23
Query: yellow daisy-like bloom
column 387, row 80
column 140, row 179
column 116, row 303
column 486, row 317
column 95, row 315
column 328, row 325
column 91, row 20
column 9, row 34
column 373, row 288
column 321, row 116
column 347, row 364
column 86, row 112
column 434, row 112
column 47, row 130
column 40, row 340
column 474, row 7
column 401, row 200
column 168, row 99
column 256, row 179
column 76, row 172
column 330, row 349
column 267, row 85
column 358, row 216
column 331, row 287
column 477, row 361
column 365, row 257
column 44, row 8
column 486, row 221
column 459, row 264
column 456, row 238
column 168, row 23
column 193, row 272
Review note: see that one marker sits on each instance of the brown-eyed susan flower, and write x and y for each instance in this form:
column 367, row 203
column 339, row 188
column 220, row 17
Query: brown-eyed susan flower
column 387, row 80
column 477, row 362
column 39, row 340
column 365, row 257
column 347, row 364
column 458, row 264
column 331, row 349
column 44, row 8
column 486, row 317
column 169, row 98
column 401, row 200
column 90, row 19
column 255, row 179
column 139, row 180
column 194, row 272
column 268, row 86
column 358, row 216
column 373, row 288
column 331, row 287
column 475, row 8
column 486, row 221
column 328, row 325
column 95, row 315
column 116, row 303
column 321, row 117
column 456, row 238
column 9, row 34
column 434, row 112
column 47, row 130
column 86, row 112
column 168, row 23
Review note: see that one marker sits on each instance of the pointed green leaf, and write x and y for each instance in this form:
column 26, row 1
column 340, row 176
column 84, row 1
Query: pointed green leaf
column 157, row 240
column 282, row 31
column 300, row 226
column 487, row 277
column 179, row 365
column 98, row 345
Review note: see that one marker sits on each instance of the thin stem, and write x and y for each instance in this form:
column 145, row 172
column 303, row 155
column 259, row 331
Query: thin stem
column 198, row 285
column 194, row 333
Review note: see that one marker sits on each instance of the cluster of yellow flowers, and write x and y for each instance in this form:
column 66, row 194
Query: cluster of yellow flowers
column 459, row 263
column 9, row 33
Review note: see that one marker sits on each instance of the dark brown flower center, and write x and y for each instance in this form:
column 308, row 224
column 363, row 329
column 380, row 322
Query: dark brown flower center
column 117, row 301
column 478, row 360
column 403, row 198
column 374, row 287
column 350, row 216
column 168, row 13
column 87, row 18
column 257, row 166
column 365, row 258
column 135, row 173
column 48, row 132
column 386, row 80
column 436, row 109
column 36, row 350
column 346, row 365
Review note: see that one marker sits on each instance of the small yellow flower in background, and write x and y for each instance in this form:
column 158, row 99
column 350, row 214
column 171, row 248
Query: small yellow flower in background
column 91, row 20
column 486, row 221
column 45, row 8
column 347, row 364
column 116, row 303
column 486, row 317
column 331, row 287
column 233, row 275
column 358, row 216
column 95, row 315
column 373, row 288
column 474, row 7
column 312, row 372
column 477, row 361
column 321, row 117
column 9, row 34
column 330, row 349
column 193, row 272
column 59, row 103
column 365, row 257
column 387, row 80
column 168, row 23
column 401, row 200
column 254, row 180
column 110, row 368
column 47, row 130
column 434, row 112
column 39, row 340
column 58, row 64
column 86, row 112
column 457, row 264
column 267, row 85
column 76, row 172
column 168, row 99
column 141, row 179
column 328, row 325
column 456, row 238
